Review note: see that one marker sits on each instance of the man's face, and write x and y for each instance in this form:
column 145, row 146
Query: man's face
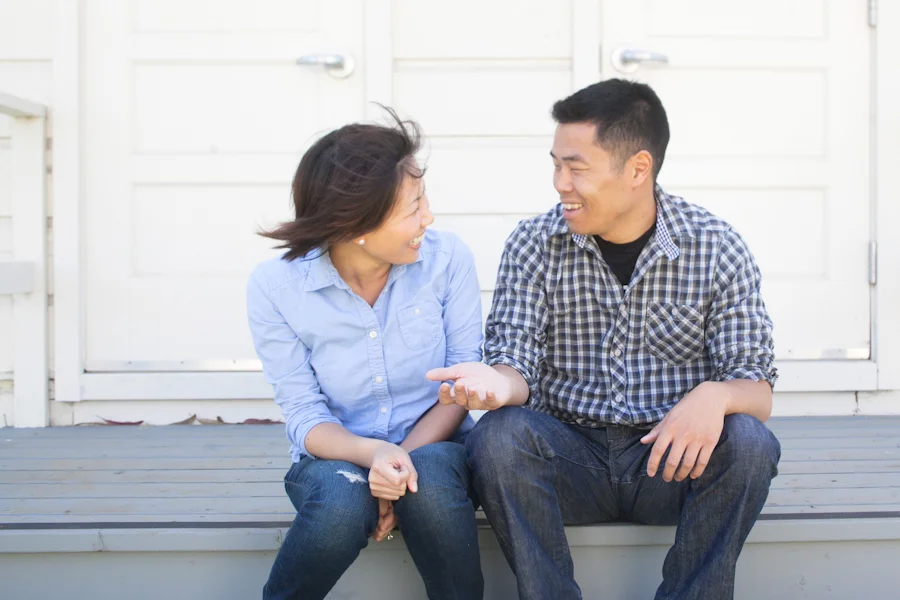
column 596, row 193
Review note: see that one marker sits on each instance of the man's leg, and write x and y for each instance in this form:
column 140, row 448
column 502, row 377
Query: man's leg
column 533, row 474
column 336, row 514
column 438, row 523
column 717, row 510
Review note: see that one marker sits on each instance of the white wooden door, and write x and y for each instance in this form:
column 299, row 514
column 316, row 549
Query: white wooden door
column 769, row 107
column 196, row 114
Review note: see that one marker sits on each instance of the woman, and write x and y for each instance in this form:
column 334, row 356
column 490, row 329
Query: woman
column 346, row 323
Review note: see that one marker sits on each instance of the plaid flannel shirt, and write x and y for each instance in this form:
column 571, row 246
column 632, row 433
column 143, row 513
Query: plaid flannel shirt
column 595, row 352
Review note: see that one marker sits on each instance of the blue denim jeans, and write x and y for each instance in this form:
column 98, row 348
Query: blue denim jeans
column 535, row 474
column 336, row 515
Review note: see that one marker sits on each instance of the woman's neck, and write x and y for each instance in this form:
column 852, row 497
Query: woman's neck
column 365, row 275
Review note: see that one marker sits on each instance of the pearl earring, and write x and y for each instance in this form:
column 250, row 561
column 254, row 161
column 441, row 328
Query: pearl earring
column 361, row 242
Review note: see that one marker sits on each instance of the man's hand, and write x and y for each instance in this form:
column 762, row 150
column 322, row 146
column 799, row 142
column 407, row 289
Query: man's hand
column 692, row 429
column 387, row 520
column 476, row 386
column 392, row 473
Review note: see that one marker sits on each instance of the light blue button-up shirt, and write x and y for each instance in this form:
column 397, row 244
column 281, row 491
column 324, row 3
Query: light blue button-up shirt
column 332, row 358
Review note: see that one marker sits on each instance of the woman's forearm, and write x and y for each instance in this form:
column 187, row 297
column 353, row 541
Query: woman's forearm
column 437, row 425
column 333, row 442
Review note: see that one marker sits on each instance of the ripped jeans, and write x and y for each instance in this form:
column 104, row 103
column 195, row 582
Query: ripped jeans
column 336, row 515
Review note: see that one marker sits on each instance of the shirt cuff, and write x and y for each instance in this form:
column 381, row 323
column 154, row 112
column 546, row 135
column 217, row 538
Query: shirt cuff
column 503, row 359
column 769, row 375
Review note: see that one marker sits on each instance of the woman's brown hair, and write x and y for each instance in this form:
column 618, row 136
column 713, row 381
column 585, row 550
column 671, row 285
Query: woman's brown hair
column 347, row 183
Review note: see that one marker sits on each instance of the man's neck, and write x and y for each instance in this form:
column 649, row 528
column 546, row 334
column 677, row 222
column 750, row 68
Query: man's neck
column 635, row 223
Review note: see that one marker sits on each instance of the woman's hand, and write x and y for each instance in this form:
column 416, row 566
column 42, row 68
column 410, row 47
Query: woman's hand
column 387, row 520
column 392, row 473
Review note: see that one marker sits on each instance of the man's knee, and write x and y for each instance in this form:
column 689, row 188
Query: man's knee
column 500, row 437
column 497, row 431
column 748, row 444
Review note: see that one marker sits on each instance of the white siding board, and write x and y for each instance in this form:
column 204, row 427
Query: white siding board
column 492, row 99
column 225, row 15
column 25, row 30
column 493, row 176
column 478, row 29
column 713, row 18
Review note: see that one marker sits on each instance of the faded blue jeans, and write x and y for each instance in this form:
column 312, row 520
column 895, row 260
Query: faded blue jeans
column 535, row 474
column 336, row 515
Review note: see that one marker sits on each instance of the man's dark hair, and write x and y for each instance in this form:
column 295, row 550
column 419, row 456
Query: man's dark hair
column 347, row 183
column 629, row 118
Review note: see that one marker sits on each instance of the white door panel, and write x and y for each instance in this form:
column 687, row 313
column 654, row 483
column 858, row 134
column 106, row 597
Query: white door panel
column 768, row 104
column 196, row 114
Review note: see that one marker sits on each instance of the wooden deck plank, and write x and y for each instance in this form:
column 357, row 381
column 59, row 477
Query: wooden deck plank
column 81, row 490
column 143, row 476
column 225, row 473
column 144, row 506
column 33, row 448
column 117, row 464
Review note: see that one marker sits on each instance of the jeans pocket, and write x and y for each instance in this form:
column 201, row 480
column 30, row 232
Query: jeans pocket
column 674, row 332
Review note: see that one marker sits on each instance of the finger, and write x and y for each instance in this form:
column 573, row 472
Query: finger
column 442, row 374
column 688, row 461
column 673, row 461
column 702, row 461
column 385, row 509
column 444, row 395
column 475, row 395
column 391, row 475
column 490, row 401
column 651, row 437
column 387, row 493
column 412, row 481
column 659, row 449
column 459, row 395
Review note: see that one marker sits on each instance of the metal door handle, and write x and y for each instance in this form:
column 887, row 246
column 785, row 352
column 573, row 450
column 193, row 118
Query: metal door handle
column 628, row 60
column 336, row 65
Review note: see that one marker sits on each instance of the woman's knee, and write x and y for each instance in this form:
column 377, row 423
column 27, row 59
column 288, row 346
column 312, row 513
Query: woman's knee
column 443, row 481
column 334, row 496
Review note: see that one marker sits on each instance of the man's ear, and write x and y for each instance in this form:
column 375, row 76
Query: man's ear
column 641, row 168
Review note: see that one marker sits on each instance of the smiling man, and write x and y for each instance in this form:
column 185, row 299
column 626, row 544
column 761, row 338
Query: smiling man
column 628, row 363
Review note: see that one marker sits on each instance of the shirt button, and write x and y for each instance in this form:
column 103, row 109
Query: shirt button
column 379, row 379
column 417, row 311
column 383, row 410
column 373, row 334
column 620, row 398
column 617, row 353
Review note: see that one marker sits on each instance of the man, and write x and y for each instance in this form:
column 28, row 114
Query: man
column 628, row 363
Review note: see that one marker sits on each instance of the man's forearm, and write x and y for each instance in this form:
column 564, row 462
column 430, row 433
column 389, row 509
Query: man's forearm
column 437, row 425
column 746, row 396
column 519, row 387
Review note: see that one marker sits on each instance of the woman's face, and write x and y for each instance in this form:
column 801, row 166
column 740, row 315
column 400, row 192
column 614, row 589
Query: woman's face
column 399, row 238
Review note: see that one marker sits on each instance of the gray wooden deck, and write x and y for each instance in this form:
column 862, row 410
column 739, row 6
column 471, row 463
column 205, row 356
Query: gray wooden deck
column 196, row 491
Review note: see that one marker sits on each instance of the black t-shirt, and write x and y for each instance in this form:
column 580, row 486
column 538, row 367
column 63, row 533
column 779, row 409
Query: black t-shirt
column 622, row 258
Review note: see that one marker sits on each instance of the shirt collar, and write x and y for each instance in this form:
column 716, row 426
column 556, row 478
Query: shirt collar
column 671, row 224
column 322, row 272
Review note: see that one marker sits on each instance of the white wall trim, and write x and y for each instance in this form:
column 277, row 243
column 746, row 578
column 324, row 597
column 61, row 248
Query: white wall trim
column 795, row 376
column 29, row 232
column 68, row 339
column 17, row 276
column 379, row 56
column 586, row 40
column 887, row 195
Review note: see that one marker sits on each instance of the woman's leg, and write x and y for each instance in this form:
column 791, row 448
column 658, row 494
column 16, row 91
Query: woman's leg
column 336, row 514
column 438, row 523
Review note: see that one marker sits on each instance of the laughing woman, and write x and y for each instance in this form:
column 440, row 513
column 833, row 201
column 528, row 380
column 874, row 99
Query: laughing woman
column 346, row 322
